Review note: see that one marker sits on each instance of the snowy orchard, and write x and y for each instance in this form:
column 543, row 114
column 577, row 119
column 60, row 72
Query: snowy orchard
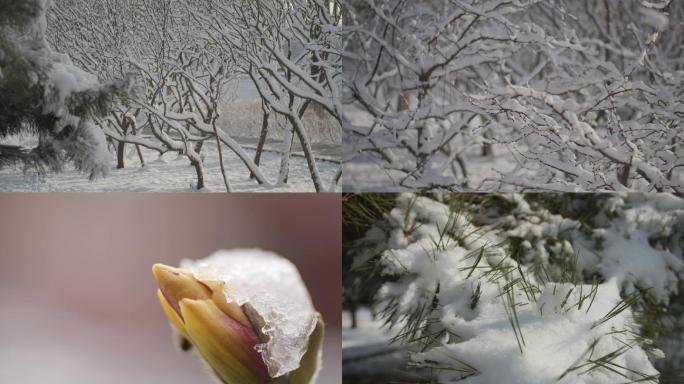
column 514, row 95
column 535, row 288
column 291, row 51
column 183, row 59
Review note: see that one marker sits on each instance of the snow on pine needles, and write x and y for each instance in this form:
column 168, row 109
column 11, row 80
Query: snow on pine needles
column 498, row 288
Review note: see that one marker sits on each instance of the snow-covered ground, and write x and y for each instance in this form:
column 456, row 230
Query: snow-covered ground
column 368, row 356
column 364, row 174
column 173, row 173
column 241, row 117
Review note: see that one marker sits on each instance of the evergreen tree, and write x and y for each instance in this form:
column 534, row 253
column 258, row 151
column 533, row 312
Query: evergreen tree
column 44, row 94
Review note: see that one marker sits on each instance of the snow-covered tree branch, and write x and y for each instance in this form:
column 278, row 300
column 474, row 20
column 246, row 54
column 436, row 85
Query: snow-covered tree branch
column 290, row 51
column 188, row 65
column 562, row 95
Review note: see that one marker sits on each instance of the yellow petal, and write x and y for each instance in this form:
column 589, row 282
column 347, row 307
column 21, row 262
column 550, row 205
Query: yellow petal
column 231, row 309
column 227, row 345
column 174, row 318
column 177, row 284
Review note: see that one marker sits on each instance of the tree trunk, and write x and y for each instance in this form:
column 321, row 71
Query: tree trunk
column 120, row 155
column 352, row 313
column 138, row 150
column 461, row 164
column 199, row 169
column 285, row 159
column 140, row 155
column 289, row 141
column 198, row 147
column 336, row 180
column 121, row 146
column 308, row 152
column 262, row 136
column 220, row 152
column 486, row 150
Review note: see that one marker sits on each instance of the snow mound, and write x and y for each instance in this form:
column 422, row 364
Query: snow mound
column 272, row 286
column 560, row 341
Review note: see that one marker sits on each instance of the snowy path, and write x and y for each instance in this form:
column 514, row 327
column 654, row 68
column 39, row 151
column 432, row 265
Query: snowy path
column 172, row 173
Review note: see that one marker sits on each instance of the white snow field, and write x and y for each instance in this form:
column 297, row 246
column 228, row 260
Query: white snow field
column 173, row 173
column 576, row 304
column 368, row 355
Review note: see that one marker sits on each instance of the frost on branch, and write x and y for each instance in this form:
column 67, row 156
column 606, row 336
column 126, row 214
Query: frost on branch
column 273, row 287
column 501, row 95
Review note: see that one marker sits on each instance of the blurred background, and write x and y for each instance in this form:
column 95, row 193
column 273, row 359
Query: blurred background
column 77, row 297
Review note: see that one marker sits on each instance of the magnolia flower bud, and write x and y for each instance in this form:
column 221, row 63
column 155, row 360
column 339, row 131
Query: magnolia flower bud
column 232, row 309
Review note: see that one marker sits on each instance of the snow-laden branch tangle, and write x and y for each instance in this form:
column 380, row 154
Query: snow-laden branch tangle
column 503, row 290
column 290, row 50
column 588, row 95
column 164, row 41
column 177, row 76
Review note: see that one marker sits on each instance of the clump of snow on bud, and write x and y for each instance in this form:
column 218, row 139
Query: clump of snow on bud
column 272, row 285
